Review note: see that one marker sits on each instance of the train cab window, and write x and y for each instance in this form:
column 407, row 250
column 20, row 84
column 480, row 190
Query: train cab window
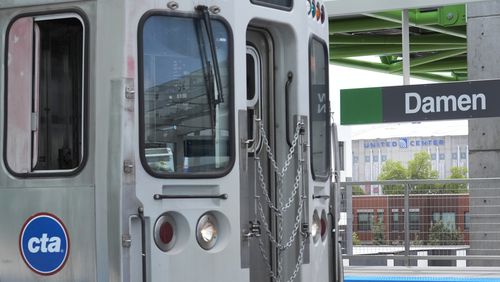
column 45, row 95
column 319, row 104
column 185, row 114
column 279, row 4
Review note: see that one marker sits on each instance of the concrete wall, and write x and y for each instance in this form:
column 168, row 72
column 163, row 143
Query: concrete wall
column 483, row 31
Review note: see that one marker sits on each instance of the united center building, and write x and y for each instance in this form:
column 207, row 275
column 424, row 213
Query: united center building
column 370, row 154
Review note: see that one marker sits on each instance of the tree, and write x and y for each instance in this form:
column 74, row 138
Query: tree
column 457, row 172
column 378, row 233
column 357, row 190
column 355, row 239
column 441, row 234
column 393, row 170
column 420, row 167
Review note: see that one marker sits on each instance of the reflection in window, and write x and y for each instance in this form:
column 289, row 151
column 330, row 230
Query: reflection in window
column 45, row 94
column 319, row 109
column 185, row 119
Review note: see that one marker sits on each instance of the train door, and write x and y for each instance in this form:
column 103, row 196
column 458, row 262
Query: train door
column 271, row 182
column 186, row 128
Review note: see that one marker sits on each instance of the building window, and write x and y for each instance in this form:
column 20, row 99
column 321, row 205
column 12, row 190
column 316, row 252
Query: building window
column 384, row 158
column 414, row 221
column 365, row 221
column 466, row 221
column 380, row 216
column 319, row 109
column 454, row 156
column 185, row 99
column 463, row 156
column 441, row 156
column 375, row 159
column 447, row 218
column 367, row 159
column 433, row 157
column 355, row 159
column 45, row 111
column 395, row 225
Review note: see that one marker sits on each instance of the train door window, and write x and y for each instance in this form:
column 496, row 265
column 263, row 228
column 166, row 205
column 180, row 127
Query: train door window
column 319, row 104
column 45, row 95
column 185, row 114
column 279, row 4
column 254, row 93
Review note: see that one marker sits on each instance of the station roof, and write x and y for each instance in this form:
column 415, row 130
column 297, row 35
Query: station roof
column 438, row 37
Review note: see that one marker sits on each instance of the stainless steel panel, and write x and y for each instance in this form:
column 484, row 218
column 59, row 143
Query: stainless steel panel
column 73, row 205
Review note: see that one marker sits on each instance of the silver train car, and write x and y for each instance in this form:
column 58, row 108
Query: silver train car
column 158, row 140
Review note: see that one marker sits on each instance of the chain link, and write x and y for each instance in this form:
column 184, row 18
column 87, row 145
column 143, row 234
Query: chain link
column 279, row 210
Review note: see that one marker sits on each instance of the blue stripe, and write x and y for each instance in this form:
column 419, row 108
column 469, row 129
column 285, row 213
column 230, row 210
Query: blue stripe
column 415, row 279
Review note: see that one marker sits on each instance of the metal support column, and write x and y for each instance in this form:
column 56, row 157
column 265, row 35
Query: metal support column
column 405, row 33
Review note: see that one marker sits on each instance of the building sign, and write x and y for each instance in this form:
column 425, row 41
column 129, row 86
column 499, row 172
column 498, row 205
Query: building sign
column 403, row 143
column 441, row 101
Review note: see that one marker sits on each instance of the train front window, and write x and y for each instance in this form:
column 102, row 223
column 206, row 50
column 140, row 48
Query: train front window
column 45, row 95
column 185, row 114
column 319, row 109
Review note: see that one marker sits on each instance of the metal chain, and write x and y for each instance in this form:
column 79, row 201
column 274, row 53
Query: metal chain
column 291, row 151
column 282, row 207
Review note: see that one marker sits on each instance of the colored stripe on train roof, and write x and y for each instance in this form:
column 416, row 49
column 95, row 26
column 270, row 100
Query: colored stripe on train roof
column 416, row 279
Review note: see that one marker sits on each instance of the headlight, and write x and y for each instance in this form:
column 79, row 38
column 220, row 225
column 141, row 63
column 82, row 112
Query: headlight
column 315, row 226
column 207, row 231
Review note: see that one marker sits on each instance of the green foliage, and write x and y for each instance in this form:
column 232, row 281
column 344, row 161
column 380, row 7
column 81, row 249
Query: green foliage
column 420, row 167
column 440, row 234
column 355, row 239
column 378, row 233
column 357, row 190
column 393, row 170
column 457, row 172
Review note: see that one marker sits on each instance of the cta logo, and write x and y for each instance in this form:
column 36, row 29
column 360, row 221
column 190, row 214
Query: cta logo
column 44, row 243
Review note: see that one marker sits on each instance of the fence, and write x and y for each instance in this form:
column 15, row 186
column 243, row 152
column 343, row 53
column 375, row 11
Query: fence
column 421, row 223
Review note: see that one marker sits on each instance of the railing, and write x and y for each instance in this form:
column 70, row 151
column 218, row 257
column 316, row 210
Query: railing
column 421, row 223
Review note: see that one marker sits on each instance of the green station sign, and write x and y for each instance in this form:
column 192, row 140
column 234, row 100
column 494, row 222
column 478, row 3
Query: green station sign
column 440, row 101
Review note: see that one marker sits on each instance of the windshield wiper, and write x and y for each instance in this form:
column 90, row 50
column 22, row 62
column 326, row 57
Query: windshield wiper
column 205, row 15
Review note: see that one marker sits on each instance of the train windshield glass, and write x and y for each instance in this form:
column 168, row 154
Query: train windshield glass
column 319, row 110
column 185, row 118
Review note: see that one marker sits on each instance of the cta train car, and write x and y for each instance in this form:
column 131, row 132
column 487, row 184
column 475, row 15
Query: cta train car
column 158, row 140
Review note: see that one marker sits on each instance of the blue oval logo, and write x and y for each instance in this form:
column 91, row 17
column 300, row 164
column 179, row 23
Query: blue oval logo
column 44, row 243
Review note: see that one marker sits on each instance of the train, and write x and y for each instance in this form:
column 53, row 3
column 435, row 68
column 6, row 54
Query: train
column 159, row 140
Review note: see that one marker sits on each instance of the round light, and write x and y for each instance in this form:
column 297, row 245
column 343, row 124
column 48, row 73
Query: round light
column 315, row 226
column 164, row 232
column 207, row 231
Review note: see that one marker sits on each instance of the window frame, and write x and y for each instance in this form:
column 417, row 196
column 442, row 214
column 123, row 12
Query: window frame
column 273, row 6
column 228, row 96
column 321, row 178
column 54, row 15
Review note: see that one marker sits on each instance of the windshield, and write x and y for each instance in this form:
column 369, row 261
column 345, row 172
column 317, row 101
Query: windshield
column 185, row 123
